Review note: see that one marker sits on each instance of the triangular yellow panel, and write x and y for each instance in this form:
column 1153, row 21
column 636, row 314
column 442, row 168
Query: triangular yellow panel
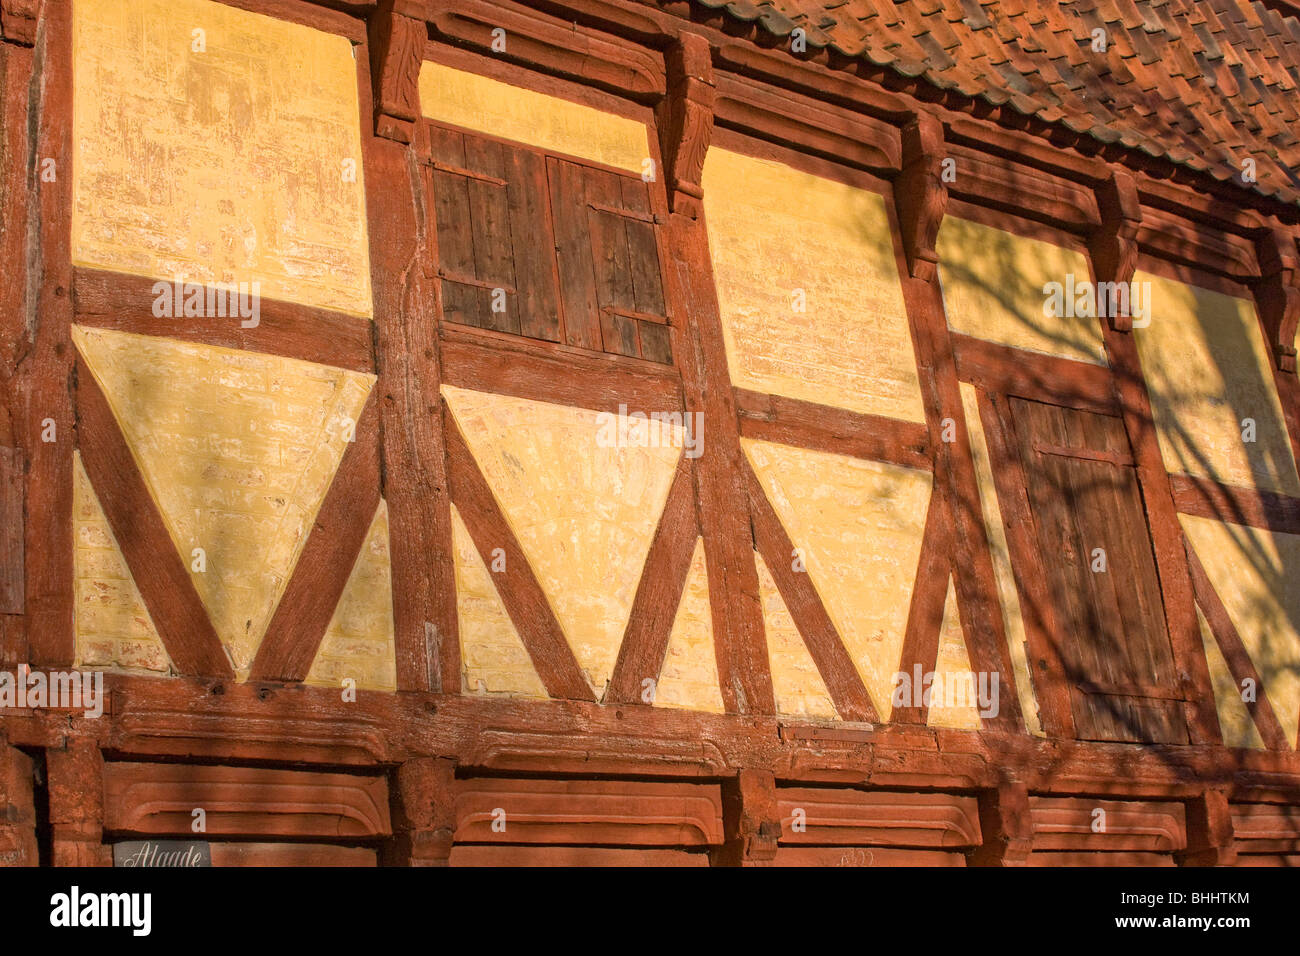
column 582, row 502
column 1235, row 722
column 859, row 526
column 796, row 682
column 238, row 449
column 690, row 673
column 113, row 627
column 359, row 640
column 953, row 701
column 493, row 658
column 1254, row 572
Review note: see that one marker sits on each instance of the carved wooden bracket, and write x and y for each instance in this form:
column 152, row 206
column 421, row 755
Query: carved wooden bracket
column 751, row 819
column 1006, row 826
column 397, row 34
column 424, row 812
column 920, row 194
column 686, row 121
column 1114, row 246
column 1278, row 294
column 18, row 20
column 1210, row 838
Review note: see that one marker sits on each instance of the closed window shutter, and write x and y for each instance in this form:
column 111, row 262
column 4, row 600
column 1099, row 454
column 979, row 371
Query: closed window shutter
column 1111, row 631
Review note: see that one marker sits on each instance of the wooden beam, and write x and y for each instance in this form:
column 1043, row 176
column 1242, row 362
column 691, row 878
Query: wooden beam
column 1040, row 378
column 685, row 122
column 1278, row 296
column 921, row 194
column 75, row 770
column 751, row 820
column 700, row 354
column 792, row 421
column 1207, row 498
column 157, row 567
column 1113, row 247
column 396, row 34
column 124, row 303
column 520, row 591
column 403, row 254
column 17, row 798
column 1236, row 655
column 828, row 652
column 1210, row 840
column 293, row 637
column 424, row 812
column 650, row 624
column 48, row 363
column 929, row 598
column 540, row 371
column 1005, row 825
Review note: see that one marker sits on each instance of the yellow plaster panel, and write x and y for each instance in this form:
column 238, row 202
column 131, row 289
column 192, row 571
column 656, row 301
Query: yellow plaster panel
column 952, row 669
column 1254, row 573
column 1008, row 597
column 238, row 449
column 690, row 673
column 359, row 640
column 1207, row 369
column 493, row 659
column 859, row 526
column 796, row 682
column 226, row 165
column 1235, row 722
column 113, row 627
column 993, row 289
column 781, row 238
column 472, row 101
column 583, row 509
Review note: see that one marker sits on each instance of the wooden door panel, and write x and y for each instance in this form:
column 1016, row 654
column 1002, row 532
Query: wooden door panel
column 1111, row 633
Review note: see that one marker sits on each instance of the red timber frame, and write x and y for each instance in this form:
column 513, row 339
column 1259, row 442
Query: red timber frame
column 692, row 80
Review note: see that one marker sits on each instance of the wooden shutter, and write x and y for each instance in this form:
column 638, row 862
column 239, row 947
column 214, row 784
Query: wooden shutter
column 490, row 203
column 608, row 262
column 1111, row 630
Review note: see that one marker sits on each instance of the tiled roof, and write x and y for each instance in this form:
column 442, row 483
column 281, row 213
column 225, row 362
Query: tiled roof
column 1203, row 83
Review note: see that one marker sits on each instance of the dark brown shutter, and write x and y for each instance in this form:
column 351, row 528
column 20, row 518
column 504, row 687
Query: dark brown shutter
column 1111, row 630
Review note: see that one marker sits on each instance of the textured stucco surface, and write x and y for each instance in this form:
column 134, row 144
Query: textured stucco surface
column 359, row 640
column 476, row 102
column 796, row 682
column 226, row 165
column 113, row 627
column 584, row 514
column 1207, row 369
column 993, row 289
column 238, row 449
column 952, row 664
column 1254, row 573
column 493, row 658
column 859, row 525
column 689, row 677
column 1012, row 621
column 774, row 230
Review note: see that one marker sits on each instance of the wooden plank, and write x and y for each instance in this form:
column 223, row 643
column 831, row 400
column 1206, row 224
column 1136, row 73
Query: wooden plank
column 75, row 772
column 533, row 240
column 1234, row 504
column 521, row 593
column 929, row 598
column 578, row 296
column 792, row 421
column 547, row 372
column 291, row 854
column 338, row 532
column 124, row 303
column 489, row 230
column 650, row 624
column 828, row 652
column 1235, row 653
column 403, row 250
column 48, row 364
column 1043, row 378
column 157, row 567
